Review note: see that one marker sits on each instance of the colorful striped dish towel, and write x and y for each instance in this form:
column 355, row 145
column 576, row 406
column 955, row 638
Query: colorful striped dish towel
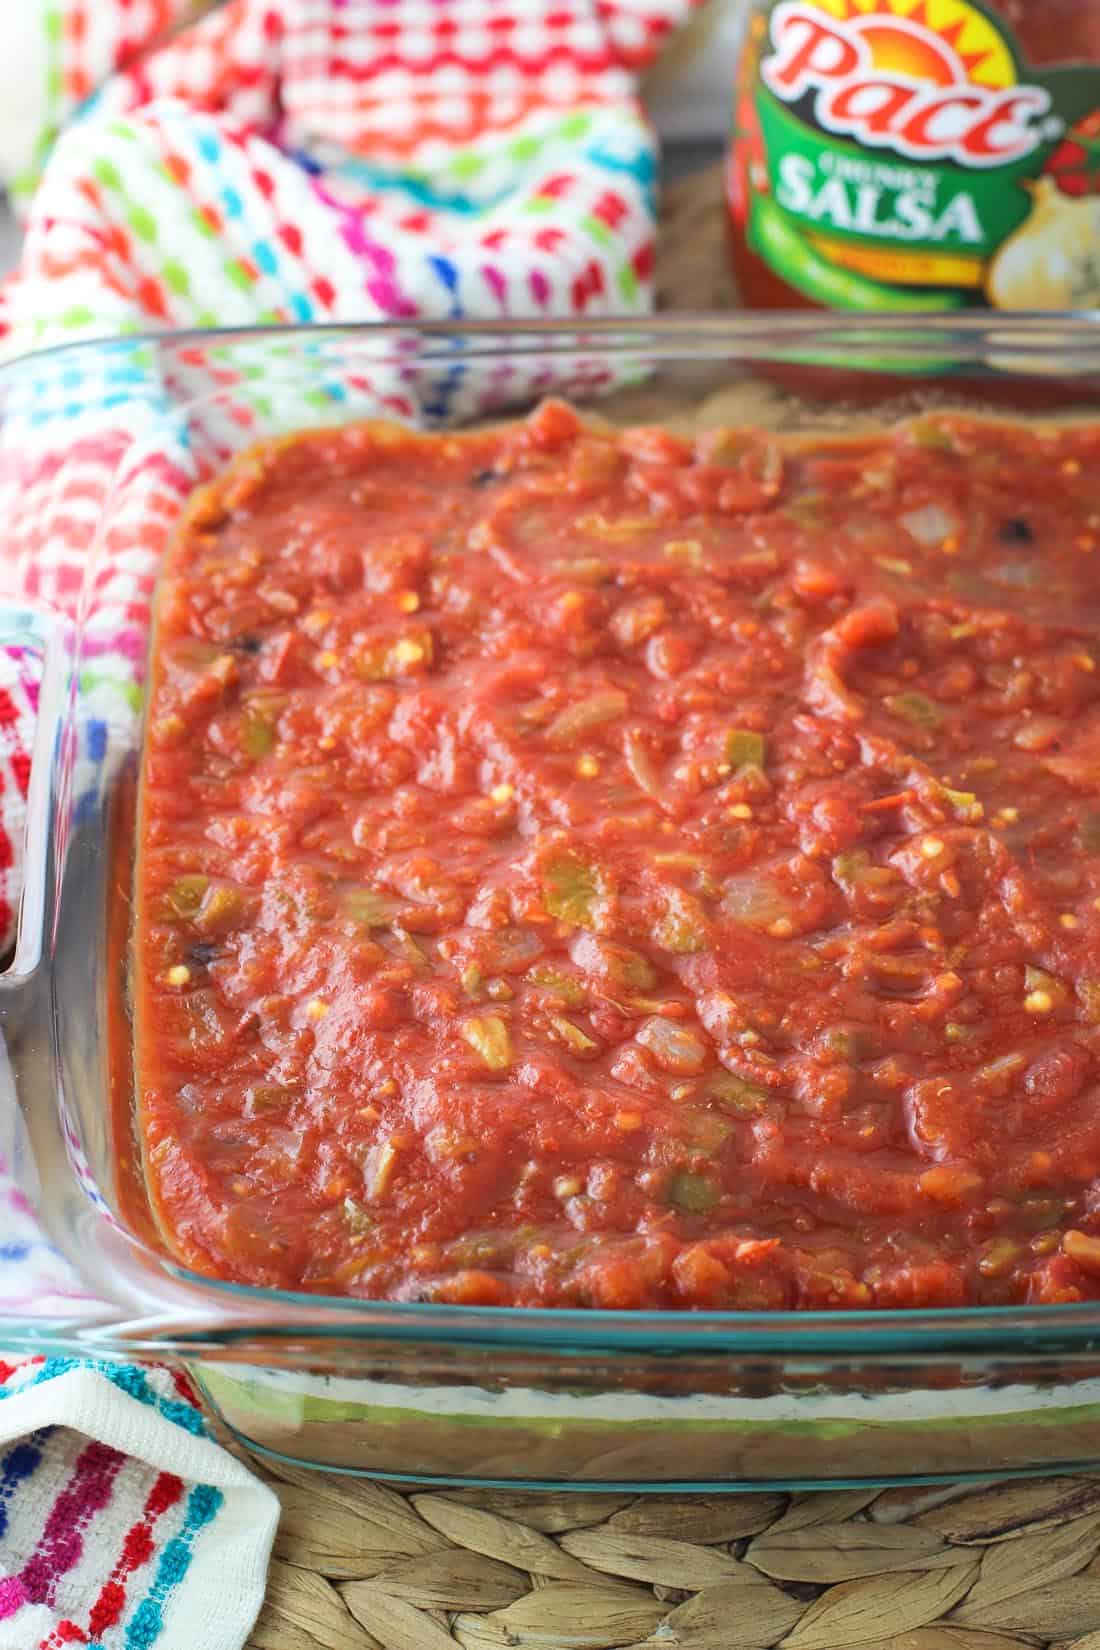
column 123, row 1526
column 185, row 163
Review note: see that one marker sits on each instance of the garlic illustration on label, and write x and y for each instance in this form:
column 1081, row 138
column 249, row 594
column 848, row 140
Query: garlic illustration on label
column 1053, row 259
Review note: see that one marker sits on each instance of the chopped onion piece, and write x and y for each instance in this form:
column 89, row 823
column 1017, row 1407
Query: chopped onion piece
column 754, row 898
column 488, row 1036
column 929, row 525
column 674, row 1047
column 575, row 721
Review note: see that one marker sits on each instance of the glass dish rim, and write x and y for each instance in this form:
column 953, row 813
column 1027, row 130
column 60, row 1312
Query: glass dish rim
column 753, row 331
column 231, row 1313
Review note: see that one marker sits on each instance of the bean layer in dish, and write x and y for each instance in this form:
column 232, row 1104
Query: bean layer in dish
column 608, row 869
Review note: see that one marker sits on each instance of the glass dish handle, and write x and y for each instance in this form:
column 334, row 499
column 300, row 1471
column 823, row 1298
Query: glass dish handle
column 39, row 642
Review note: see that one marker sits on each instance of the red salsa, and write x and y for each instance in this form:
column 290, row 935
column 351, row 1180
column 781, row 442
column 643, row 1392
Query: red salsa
column 610, row 869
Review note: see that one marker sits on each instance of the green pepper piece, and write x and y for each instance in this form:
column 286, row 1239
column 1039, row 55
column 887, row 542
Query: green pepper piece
column 931, row 436
column 1088, row 992
column 220, row 910
column 682, row 926
column 489, row 1037
column 1044, row 990
column 967, row 583
column 630, row 968
column 745, row 749
column 369, row 907
column 806, row 509
column 1089, row 831
column 576, row 1040
column 734, row 1093
column 572, row 889
column 257, row 732
column 692, row 1192
column 1042, row 1213
column 964, row 804
column 709, row 1132
column 848, row 868
column 185, row 896
column 386, row 659
column 916, row 708
column 955, row 1032
column 565, row 987
column 999, row 1257
column 846, row 1042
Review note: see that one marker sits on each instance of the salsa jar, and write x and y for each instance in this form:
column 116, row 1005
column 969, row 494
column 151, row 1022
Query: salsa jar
column 916, row 155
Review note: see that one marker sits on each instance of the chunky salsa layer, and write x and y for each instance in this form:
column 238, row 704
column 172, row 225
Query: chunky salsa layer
column 608, row 869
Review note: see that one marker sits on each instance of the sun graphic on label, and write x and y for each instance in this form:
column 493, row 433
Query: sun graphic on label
column 938, row 42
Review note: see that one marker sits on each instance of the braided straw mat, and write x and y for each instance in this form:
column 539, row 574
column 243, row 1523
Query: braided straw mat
column 362, row 1567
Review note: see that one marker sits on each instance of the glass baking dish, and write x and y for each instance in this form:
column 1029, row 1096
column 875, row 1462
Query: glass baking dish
column 437, row 1393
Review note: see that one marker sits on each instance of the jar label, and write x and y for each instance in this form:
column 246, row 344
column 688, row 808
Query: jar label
column 897, row 155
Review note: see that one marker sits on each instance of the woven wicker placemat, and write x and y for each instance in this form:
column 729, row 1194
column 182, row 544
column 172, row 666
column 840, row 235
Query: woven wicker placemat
column 359, row 1566
column 1008, row 1567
